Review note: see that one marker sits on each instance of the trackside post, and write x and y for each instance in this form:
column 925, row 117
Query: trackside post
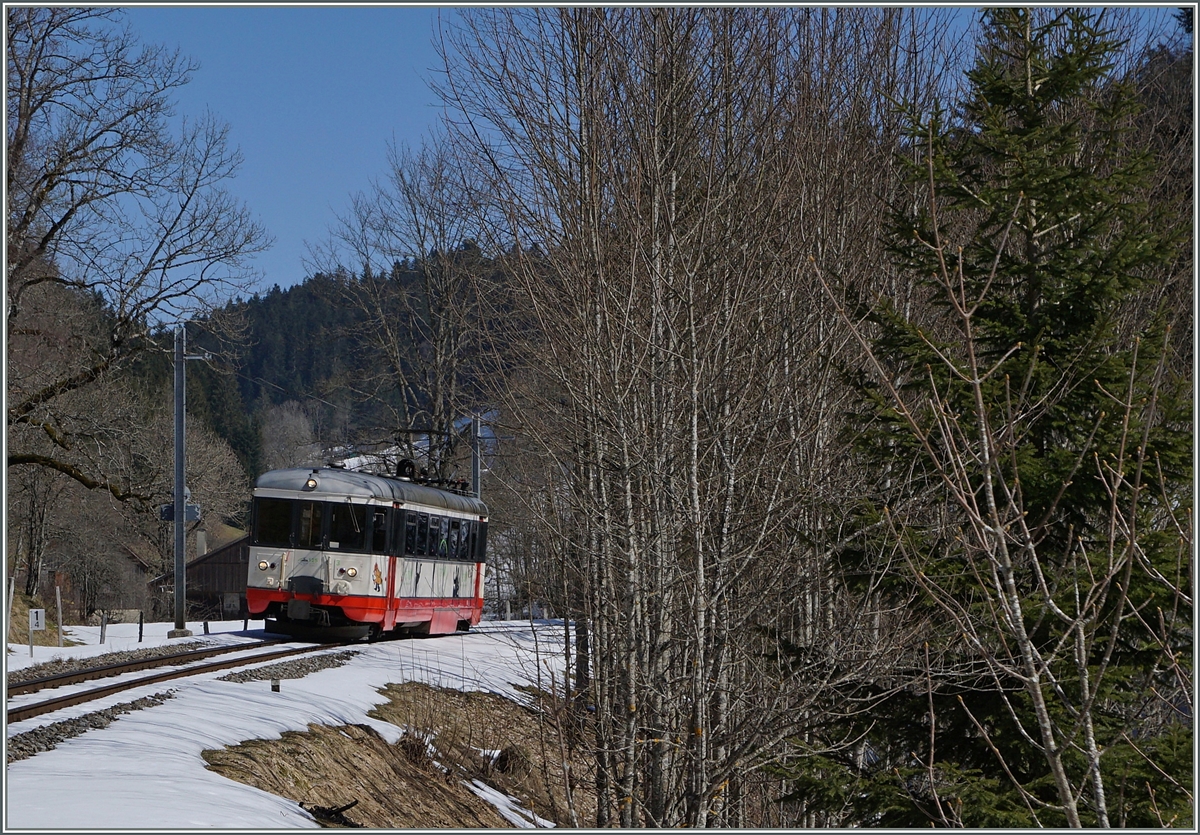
column 37, row 623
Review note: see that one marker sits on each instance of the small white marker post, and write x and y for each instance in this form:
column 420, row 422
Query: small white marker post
column 37, row 623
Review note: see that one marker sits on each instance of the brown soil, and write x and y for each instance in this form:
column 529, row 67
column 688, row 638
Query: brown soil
column 451, row 737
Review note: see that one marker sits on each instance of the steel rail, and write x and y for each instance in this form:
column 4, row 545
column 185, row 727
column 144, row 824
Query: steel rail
column 33, row 685
column 29, row 711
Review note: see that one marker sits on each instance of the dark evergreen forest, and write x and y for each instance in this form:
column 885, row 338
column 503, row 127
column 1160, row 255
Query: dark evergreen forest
column 314, row 344
column 300, row 344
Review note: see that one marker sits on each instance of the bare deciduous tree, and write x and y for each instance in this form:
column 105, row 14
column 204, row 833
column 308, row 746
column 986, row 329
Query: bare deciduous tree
column 665, row 175
column 104, row 199
column 415, row 236
column 287, row 436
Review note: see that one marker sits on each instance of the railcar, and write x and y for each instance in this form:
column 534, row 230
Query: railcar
column 337, row 554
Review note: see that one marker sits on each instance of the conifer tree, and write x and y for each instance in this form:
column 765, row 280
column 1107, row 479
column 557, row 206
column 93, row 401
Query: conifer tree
column 1034, row 448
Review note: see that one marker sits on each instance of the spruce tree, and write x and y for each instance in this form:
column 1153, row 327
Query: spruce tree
column 1034, row 450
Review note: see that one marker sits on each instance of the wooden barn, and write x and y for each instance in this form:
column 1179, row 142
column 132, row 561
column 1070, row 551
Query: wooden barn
column 216, row 582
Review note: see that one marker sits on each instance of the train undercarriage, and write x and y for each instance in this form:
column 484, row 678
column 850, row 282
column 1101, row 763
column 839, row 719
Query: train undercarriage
column 305, row 621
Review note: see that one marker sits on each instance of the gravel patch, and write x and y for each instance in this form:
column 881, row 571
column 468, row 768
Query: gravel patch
column 295, row 668
column 59, row 666
column 23, row 745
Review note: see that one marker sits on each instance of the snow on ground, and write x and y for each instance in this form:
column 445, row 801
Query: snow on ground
column 507, row 806
column 144, row 771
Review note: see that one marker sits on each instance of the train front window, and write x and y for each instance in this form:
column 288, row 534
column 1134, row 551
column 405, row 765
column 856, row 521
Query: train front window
column 273, row 522
column 308, row 534
column 347, row 527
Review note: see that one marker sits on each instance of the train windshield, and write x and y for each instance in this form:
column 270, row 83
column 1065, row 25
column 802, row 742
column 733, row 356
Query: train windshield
column 347, row 526
column 308, row 535
column 273, row 522
column 283, row 523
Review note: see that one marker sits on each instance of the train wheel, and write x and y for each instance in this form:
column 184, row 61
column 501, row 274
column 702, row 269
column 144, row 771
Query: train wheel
column 374, row 633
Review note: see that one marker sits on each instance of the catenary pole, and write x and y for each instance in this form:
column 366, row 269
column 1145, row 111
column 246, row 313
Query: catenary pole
column 475, row 455
column 180, row 630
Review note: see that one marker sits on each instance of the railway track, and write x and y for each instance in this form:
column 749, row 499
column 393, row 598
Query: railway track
column 29, row 711
column 107, row 671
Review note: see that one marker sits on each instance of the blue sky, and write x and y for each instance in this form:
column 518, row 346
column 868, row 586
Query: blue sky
column 312, row 95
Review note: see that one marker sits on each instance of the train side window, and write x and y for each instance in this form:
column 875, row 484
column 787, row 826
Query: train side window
column 452, row 540
column 422, row 533
column 481, row 542
column 468, row 540
column 379, row 528
column 410, row 533
column 467, row 546
column 396, row 540
column 273, row 522
column 308, row 529
column 439, row 530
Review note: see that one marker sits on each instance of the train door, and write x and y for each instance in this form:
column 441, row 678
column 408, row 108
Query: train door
column 305, row 571
column 377, row 523
column 394, row 548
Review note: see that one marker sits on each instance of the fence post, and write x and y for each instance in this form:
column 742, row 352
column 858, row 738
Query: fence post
column 141, row 623
column 12, row 587
column 58, row 597
column 103, row 625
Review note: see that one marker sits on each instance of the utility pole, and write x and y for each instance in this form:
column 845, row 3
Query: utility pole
column 475, row 455
column 180, row 630
column 181, row 358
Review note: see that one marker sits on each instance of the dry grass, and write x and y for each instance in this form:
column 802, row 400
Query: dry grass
column 332, row 767
column 492, row 739
column 18, row 623
column 451, row 737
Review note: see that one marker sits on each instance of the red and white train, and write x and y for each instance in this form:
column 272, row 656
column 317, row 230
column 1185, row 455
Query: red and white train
column 339, row 554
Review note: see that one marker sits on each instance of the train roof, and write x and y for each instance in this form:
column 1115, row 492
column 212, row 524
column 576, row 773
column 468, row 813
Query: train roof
column 368, row 486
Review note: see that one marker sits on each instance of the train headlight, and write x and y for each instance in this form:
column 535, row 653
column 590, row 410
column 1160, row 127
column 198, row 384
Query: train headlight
column 262, row 565
column 352, row 572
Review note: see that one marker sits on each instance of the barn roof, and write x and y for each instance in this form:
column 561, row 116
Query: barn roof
column 200, row 559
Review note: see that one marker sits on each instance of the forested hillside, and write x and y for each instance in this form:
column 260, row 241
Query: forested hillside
column 336, row 360
column 298, row 341
column 296, row 351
